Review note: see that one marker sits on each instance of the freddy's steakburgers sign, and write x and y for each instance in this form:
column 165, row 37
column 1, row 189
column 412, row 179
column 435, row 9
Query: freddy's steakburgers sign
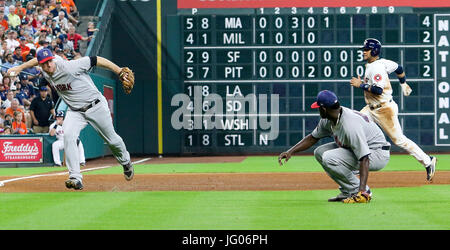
column 21, row 150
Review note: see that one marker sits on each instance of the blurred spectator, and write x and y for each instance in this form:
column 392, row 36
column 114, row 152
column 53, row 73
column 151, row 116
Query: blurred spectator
column 3, row 50
column 9, row 98
column 20, row 10
column 40, row 14
column 28, row 28
column 8, row 62
column 6, row 131
column 27, row 87
column 3, row 92
column 2, row 33
column 70, row 7
column 3, row 21
column 75, row 37
column 61, row 20
column 41, row 108
column 25, row 50
column 36, row 22
column 13, row 19
column 6, row 81
column 90, row 31
column 2, row 115
column 58, row 7
column 12, row 40
column 34, row 71
column 20, row 94
column 17, row 55
column 30, row 43
column 43, row 35
column 18, row 126
column 60, row 52
column 30, row 7
column 15, row 107
column 8, row 120
column 55, row 27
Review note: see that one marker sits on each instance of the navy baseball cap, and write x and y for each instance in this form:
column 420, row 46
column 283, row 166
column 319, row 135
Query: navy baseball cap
column 326, row 99
column 60, row 113
column 44, row 55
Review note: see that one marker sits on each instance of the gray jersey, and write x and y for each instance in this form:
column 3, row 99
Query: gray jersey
column 354, row 131
column 73, row 83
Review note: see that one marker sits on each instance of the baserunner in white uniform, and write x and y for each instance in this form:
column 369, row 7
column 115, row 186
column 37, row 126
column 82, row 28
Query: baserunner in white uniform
column 359, row 144
column 56, row 129
column 86, row 105
column 380, row 105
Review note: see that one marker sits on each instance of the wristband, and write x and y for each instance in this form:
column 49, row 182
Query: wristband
column 364, row 86
column 402, row 79
column 56, row 125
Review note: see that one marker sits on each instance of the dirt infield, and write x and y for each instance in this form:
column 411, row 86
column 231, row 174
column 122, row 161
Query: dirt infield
column 213, row 181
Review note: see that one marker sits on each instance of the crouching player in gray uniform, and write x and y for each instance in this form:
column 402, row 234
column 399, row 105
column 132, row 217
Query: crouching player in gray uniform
column 86, row 105
column 359, row 145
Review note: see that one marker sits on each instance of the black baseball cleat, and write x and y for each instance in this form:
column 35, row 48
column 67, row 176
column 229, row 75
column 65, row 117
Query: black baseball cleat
column 74, row 183
column 128, row 171
column 431, row 169
column 338, row 198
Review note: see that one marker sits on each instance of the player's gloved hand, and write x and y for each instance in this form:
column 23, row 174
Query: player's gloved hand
column 126, row 76
column 286, row 156
column 360, row 197
column 406, row 89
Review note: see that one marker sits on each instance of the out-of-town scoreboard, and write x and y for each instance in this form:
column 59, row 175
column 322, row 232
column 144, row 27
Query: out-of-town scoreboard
column 252, row 68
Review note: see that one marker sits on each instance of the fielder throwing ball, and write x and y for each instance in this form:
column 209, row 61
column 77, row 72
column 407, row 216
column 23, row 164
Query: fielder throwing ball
column 380, row 105
column 86, row 105
column 359, row 145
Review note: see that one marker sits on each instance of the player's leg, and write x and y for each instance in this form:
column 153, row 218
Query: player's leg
column 57, row 146
column 74, row 122
column 387, row 118
column 99, row 117
column 81, row 151
column 339, row 164
column 320, row 150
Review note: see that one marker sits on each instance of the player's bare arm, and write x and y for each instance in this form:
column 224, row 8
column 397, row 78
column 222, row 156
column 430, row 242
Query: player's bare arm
column 303, row 145
column 107, row 64
column 363, row 173
column 33, row 117
column 358, row 83
column 126, row 75
column 17, row 69
column 406, row 89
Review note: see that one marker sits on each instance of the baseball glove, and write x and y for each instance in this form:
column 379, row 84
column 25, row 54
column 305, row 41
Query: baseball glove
column 126, row 77
column 360, row 197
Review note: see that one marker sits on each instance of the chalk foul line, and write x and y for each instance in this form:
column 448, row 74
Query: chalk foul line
column 2, row 183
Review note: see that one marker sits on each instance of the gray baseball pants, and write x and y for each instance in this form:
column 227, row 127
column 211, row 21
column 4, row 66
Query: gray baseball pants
column 99, row 117
column 340, row 164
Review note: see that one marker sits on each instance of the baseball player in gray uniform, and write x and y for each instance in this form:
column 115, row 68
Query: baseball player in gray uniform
column 86, row 105
column 359, row 145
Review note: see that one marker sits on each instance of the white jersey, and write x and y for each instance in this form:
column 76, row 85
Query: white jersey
column 72, row 82
column 377, row 74
column 59, row 132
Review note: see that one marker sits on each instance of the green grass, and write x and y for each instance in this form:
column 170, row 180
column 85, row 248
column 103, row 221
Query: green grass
column 270, row 164
column 250, row 164
column 423, row 207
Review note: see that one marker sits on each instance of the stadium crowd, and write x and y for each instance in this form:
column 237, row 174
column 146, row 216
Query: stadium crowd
column 25, row 27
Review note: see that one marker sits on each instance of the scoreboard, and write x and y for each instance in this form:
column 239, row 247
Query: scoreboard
column 251, row 69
